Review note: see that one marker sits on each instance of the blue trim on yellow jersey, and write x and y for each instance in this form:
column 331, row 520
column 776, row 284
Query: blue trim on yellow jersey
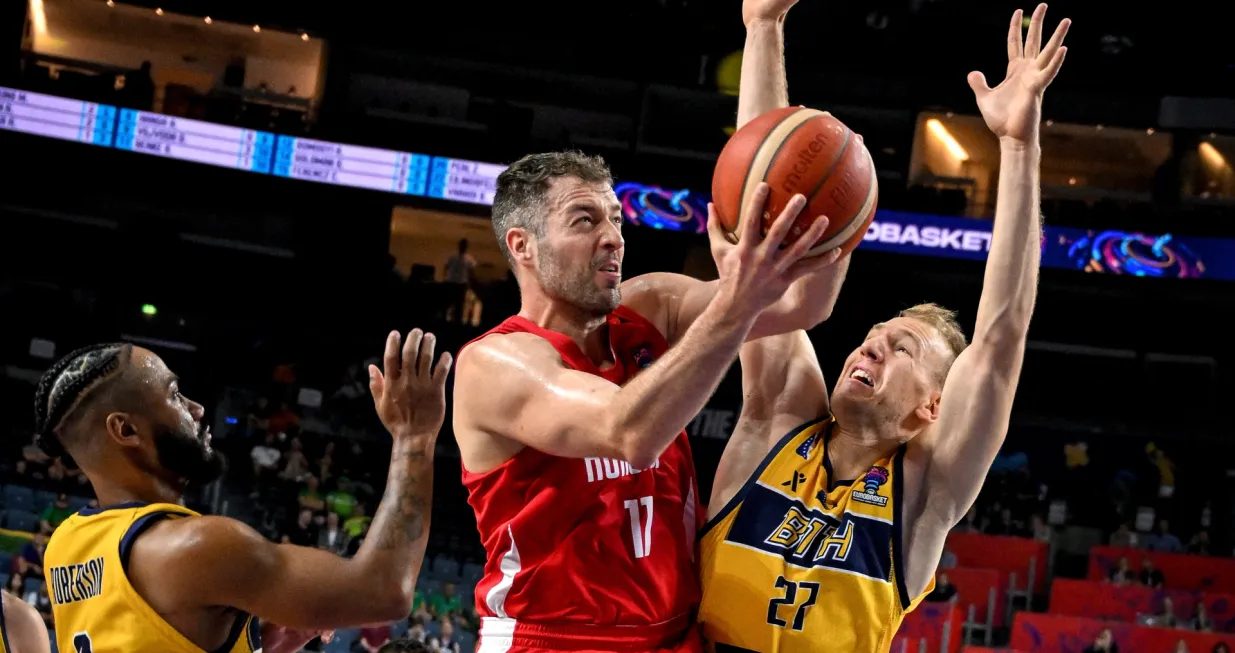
column 88, row 511
column 4, row 631
column 898, row 550
column 238, row 629
column 254, row 634
column 754, row 477
column 833, row 483
column 136, row 529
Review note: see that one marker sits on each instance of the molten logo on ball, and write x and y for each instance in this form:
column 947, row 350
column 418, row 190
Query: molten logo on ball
column 806, row 156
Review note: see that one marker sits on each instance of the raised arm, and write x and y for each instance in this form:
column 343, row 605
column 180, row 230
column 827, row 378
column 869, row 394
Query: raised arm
column 187, row 564
column 513, row 391
column 955, row 453
column 782, row 388
column 24, row 629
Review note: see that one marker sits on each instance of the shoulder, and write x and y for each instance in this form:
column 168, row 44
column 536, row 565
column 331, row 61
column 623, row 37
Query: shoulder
column 657, row 297
column 23, row 627
column 207, row 541
column 504, row 351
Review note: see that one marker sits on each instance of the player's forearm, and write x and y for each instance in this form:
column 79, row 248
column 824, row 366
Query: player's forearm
column 394, row 548
column 1010, row 286
column 808, row 303
column 762, row 86
column 648, row 413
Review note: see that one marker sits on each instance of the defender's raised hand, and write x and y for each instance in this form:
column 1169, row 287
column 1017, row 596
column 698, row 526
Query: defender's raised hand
column 410, row 394
column 1013, row 109
column 757, row 10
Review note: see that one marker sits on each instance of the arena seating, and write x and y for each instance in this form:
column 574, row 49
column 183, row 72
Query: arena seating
column 981, row 598
column 1051, row 633
column 1022, row 562
column 1186, row 572
column 931, row 628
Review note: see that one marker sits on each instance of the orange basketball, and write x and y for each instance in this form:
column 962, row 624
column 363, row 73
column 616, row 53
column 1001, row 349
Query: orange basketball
column 798, row 150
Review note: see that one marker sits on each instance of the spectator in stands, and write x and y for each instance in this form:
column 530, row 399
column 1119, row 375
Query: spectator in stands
column 22, row 475
column 446, row 642
column 416, row 630
column 1150, row 576
column 1006, row 525
column 1103, row 643
column 42, row 603
column 970, row 524
column 304, row 532
column 265, row 456
column 341, row 501
column 32, row 454
column 1166, row 618
column 358, row 523
column 1199, row 544
column 332, row 536
column 445, row 603
column 1163, row 540
column 138, row 90
column 420, row 610
column 405, row 645
column 1122, row 573
column 310, row 498
column 29, row 562
column 282, row 420
column 373, row 638
column 55, row 514
column 258, row 418
column 944, row 590
column 1220, row 647
column 296, row 465
column 948, row 559
column 1201, row 621
column 1166, row 470
column 460, row 272
column 1040, row 530
column 1124, row 537
column 325, row 465
column 16, row 583
column 1181, row 646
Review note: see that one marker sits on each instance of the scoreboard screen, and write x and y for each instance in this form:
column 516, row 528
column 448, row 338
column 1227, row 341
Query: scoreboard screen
column 194, row 140
column 56, row 117
column 464, row 181
column 351, row 165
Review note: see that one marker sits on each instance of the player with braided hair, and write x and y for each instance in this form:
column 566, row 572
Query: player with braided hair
column 144, row 574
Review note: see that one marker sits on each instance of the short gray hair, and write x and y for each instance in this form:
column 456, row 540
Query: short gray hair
column 523, row 187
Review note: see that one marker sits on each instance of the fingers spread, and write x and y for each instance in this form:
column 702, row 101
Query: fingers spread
column 752, row 222
column 1033, row 40
column 377, row 384
column 1052, row 69
column 1048, row 53
column 784, row 222
column 1015, row 47
column 390, row 360
column 443, row 368
column 977, row 82
column 426, row 355
column 805, row 242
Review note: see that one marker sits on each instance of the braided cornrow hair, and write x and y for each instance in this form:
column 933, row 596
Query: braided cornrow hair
column 66, row 383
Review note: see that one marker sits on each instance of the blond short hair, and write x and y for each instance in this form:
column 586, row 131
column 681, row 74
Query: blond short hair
column 944, row 322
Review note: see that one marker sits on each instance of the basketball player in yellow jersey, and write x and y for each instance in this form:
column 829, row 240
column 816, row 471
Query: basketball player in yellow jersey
column 828, row 515
column 142, row 574
column 21, row 628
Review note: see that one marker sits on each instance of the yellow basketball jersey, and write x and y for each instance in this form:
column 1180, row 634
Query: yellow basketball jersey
column 93, row 603
column 798, row 562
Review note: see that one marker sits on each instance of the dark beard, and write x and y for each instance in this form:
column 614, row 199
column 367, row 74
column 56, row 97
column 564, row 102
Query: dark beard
column 185, row 455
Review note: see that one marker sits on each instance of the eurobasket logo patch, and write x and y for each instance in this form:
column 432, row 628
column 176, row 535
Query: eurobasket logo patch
column 643, row 357
column 872, row 482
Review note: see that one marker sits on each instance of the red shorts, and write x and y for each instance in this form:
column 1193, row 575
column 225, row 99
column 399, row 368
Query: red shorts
column 678, row 635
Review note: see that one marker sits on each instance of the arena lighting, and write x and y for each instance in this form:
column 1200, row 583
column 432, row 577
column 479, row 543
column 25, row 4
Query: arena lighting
column 150, row 310
column 1212, row 155
column 209, row 20
column 304, row 37
column 939, row 131
column 38, row 16
column 257, row 28
column 158, row 11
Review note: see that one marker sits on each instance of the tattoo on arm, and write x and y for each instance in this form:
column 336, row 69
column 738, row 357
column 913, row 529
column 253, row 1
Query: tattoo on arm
column 402, row 519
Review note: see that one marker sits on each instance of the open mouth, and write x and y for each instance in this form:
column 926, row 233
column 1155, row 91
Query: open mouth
column 611, row 268
column 862, row 376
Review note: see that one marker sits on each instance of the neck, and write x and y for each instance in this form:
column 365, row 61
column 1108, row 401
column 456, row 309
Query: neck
column 853, row 451
column 589, row 331
column 146, row 489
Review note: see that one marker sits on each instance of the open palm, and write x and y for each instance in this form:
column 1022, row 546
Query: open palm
column 1013, row 109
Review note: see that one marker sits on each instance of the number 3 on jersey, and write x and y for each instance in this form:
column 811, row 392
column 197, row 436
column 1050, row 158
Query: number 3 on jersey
column 790, row 598
column 640, row 526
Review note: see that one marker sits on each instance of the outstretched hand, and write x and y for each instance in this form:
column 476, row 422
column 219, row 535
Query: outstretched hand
column 1013, row 109
column 409, row 393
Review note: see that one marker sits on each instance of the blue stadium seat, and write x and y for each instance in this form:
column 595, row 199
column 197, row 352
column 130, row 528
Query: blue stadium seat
column 428, row 585
column 21, row 520
column 433, row 628
column 343, row 640
column 399, row 629
column 467, row 641
column 77, row 503
column 472, row 573
column 4, row 579
column 17, row 497
column 6, row 561
column 42, row 499
column 445, row 568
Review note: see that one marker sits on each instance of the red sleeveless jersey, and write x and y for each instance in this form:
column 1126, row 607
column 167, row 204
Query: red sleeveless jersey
column 589, row 553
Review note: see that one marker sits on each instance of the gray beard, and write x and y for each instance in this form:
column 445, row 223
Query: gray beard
column 575, row 289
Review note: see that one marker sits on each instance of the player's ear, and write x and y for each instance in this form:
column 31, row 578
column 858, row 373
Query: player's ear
column 123, row 430
column 521, row 245
column 929, row 411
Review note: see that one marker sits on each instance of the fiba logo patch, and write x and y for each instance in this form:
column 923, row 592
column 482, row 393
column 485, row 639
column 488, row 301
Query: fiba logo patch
column 874, row 479
column 643, row 357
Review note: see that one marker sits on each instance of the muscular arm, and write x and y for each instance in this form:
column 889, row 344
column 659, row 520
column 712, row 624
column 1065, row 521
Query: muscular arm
column 782, row 388
column 946, row 465
column 515, row 388
column 183, row 564
column 23, row 626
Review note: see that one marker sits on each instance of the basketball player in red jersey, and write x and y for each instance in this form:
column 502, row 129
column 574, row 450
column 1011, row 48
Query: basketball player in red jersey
column 914, row 392
column 578, row 470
